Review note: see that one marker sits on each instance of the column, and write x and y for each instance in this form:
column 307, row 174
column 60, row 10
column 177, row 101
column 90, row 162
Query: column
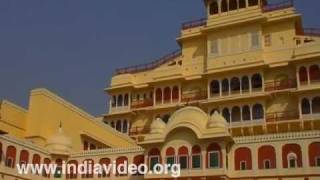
column 171, row 88
column 229, row 87
column 308, row 75
column 162, row 100
column 263, row 84
column 209, row 89
column 279, row 159
column 305, row 154
column 250, row 83
column 298, row 77
column 180, row 93
column 220, row 87
column 254, row 162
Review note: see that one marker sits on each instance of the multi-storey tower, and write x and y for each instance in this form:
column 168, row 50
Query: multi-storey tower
column 239, row 99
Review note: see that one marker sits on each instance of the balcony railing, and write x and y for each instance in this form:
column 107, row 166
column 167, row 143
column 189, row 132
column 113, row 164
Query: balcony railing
column 194, row 96
column 278, row 6
column 149, row 66
column 281, row 85
column 142, row 104
column 282, row 116
column 194, row 23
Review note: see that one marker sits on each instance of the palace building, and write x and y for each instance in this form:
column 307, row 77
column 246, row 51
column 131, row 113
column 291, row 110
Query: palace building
column 240, row 100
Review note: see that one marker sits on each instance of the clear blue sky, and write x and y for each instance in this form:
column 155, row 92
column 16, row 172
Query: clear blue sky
column 72, row 47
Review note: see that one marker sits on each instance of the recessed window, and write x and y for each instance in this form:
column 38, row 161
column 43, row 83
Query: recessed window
column 317, row 161
column 243, row 165
column 267, row 40
column 292, row 160
column 214, row 47
column 196, row 161
column 214, row 161
column 255, row 40
column 183, row 161
column 9, row 162
column 154, row 160
column 267, row 164
column 170, row 160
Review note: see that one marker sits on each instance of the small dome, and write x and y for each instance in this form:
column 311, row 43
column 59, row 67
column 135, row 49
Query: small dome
column 157, row 126
column 217, row 121
column 59, row 143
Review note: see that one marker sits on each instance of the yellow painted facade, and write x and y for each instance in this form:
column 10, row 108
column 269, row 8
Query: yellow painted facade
column 241, row 95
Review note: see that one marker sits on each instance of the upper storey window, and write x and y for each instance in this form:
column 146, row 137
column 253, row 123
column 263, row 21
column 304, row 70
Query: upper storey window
column 214, row 8
column 255, row 40
column 214, row 47
column 253, row 2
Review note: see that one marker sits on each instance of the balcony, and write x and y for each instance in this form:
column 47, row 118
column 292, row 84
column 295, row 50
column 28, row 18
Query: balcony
column 142, row 104
column 194, row 96
column 194, row 24
column 282, row 116
column 281, row 85
column 278, row 6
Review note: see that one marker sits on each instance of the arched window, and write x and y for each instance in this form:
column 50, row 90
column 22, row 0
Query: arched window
column 291, row 156
column 125, row 126
column 36, row 159
column 256, row 82
column 267, row 157
column 214, row 8
column 257, row 112
column 175, row 93
column 242, row 4
column 224, row 6
column 303, row 75
column 104, row 162
column 235, row 85
column 226, row 114
column 314, row 73
column 167, row 95
column 119, row 161
column 215, row 88
column 154, row 157
column 58, row 170
column 118, row 126
column 236, row 114
column 233, row 5
column 196, row 157
column 72, row 169
column 316, row 105
column 246, row 113
column 253, row 2
column 225, row 86
column 138, row 160
column 89, row 167
column 10, row 157
column 314, row 154
column 47, row 162
column 305, row 106
column 183, row 157
column 114, row 101
column 24, row 157
column 243, row 159
column 126, row 100
column 170, row 156
column 245, row 84
column 159, row 96
column 214, row 156
column 120, row 100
